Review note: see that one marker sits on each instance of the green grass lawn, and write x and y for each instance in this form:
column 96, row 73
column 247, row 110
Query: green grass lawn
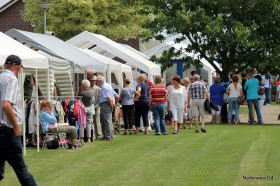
column 222, row 156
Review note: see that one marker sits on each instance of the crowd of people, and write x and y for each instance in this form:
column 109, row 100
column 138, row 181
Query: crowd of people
column 183, row 100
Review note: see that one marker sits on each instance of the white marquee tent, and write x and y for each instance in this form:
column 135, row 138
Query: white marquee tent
column 58, row 48
column 109, row 48
column 60, row 72
column 116, row 67
column 158, row 50
column 31, row 61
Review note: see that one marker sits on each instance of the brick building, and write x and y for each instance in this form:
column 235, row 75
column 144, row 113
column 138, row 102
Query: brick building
column 10, row 16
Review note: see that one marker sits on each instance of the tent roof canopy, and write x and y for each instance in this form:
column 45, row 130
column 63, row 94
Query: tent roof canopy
column 56, row 47
column 109, row 48
column 117, row 66
column 30, row 58
column 158, row 50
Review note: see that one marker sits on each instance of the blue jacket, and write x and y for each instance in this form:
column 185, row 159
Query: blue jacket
column 46, row 118
column 217, row 94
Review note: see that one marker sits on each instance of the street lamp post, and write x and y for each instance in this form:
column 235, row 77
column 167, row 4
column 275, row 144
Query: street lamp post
column 45, row 5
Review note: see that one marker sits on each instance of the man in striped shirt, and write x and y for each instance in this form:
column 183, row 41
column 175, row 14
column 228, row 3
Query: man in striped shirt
column 197, row 94
column 10, row 120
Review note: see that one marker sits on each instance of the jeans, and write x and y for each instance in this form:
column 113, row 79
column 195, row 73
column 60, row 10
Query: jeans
column 159, row 118
column 261, row 102
column 11, row 151
column 233, row 105
column 267, row 96
column 250, row 107
column 106, row 120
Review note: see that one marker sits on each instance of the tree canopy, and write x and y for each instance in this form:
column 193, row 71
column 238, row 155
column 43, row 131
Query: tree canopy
column 240, row 34
column 67, row 18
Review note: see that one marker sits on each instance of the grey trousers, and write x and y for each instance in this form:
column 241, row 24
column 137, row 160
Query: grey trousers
column 106, row 120
column 97, row 126
column 88, row 127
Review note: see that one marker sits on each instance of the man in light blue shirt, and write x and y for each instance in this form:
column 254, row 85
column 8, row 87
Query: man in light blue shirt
column 107, row 102
column 251, row 86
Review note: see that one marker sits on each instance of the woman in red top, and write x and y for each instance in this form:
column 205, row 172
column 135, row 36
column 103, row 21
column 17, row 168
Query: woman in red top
column 158, row 96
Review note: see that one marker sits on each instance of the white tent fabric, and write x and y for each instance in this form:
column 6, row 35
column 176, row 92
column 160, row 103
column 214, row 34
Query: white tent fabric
column 109, row 48
column 30, row 58
column 158, row 50
column 116, row 67
column 56, row 47
column 133, row 49
column 59, row 72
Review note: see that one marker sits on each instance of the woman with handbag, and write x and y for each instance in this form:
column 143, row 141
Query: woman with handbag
column 235, row 92
column 216, row 96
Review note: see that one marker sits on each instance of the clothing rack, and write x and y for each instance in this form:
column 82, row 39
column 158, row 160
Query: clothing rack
column 37, row 109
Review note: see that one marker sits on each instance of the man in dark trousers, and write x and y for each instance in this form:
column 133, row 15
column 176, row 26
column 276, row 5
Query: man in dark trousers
column 10, row 120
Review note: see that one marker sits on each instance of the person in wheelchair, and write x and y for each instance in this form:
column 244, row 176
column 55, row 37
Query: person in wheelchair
column 49, row 123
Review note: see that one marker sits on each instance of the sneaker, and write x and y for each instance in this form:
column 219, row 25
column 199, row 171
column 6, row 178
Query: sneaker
column 203, row 130
column 157, row 134
column 196, row 131
column 165, row 133
column 175, row 132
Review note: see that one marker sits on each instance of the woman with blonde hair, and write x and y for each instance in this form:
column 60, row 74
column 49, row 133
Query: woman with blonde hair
column 48, row 120
column 187, row 114
column 88, row 100
column 142, row 104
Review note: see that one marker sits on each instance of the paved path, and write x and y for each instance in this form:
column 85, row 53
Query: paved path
column 271, row 113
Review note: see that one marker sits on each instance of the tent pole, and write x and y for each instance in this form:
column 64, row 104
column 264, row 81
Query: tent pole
column 109, row 79
column 164, row 77
column 73, row 80
column 23, row 111
column 48, row 85
column 37, row 110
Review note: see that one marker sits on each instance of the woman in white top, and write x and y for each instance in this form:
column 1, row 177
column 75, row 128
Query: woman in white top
column 177, row 102
column 234, row 90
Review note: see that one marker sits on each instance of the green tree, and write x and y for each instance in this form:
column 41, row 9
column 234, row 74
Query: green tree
column 68, row 18
column 241, row 34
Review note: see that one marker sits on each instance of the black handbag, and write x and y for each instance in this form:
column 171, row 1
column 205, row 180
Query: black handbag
column 214, row 106
column 207, row 106
column 53, row 144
